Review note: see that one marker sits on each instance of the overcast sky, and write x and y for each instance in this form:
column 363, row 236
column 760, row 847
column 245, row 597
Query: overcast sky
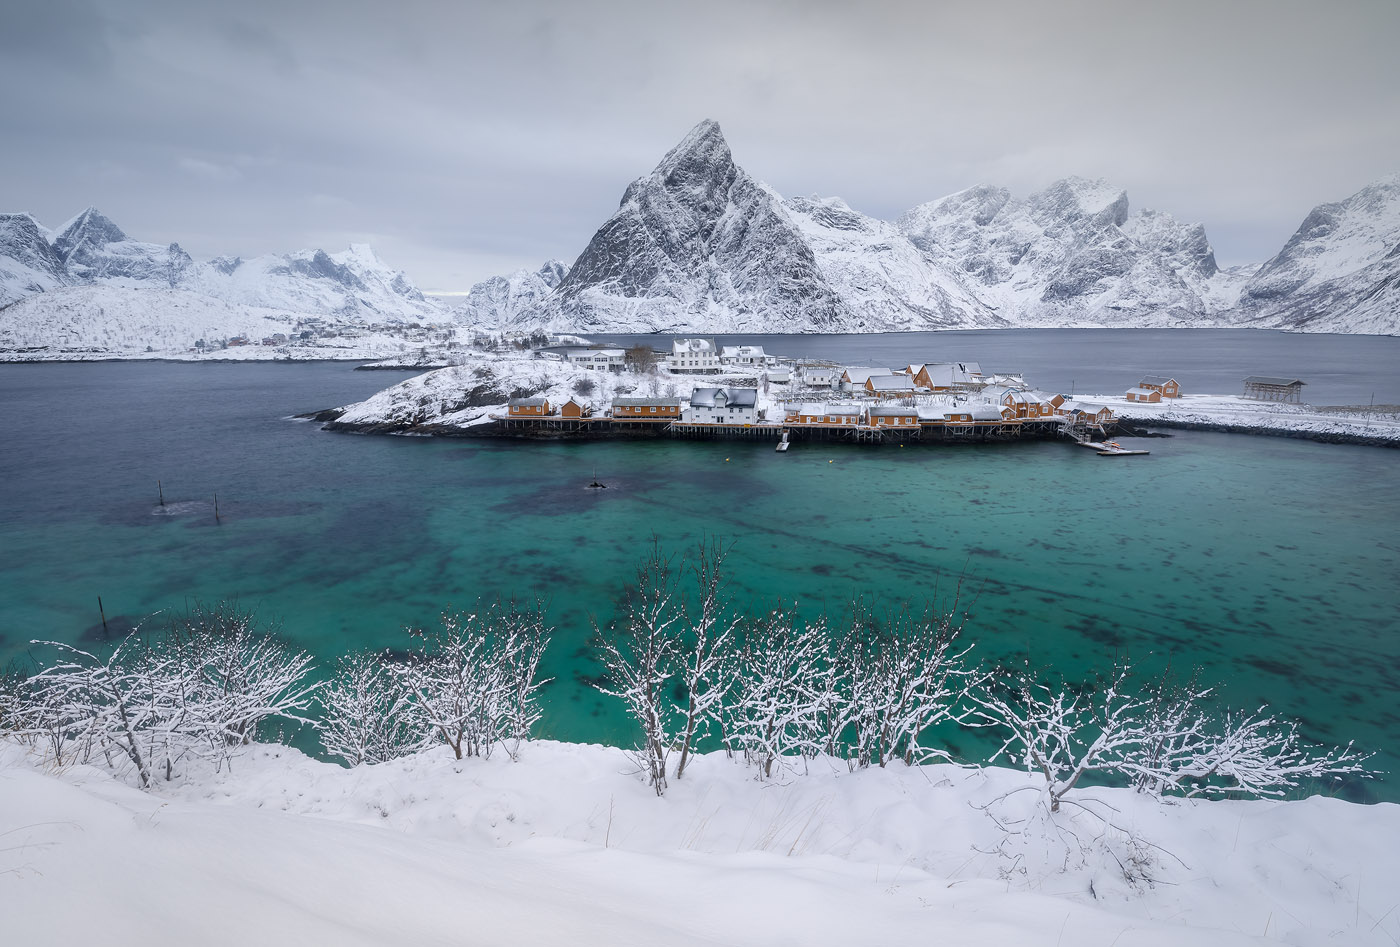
column 467, row 139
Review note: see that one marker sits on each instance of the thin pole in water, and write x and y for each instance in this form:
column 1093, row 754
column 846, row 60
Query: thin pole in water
column 103, row 613
column 161, row 491
column 216, row 508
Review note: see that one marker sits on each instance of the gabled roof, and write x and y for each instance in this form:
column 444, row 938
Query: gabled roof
column 692, row 347
column 703, row 397
column 858, row 375
column 742, row 397
column 1143, row 391
column 742, row 351
column 892, row 411
column 527, row 402
column 1155, row 380
column 890, row 382
column 845, row 410
column 647, row 402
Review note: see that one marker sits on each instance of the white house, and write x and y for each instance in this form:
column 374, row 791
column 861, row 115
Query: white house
column 602, row 360
column 744, row 355
column 817, row 376
column 722, row 406
column 693, row 355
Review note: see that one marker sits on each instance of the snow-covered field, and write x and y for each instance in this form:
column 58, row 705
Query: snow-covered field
column 1233, row 411
column 569, row 845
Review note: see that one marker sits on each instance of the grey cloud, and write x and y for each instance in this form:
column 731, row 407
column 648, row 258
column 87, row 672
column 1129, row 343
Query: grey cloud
column 470, row 134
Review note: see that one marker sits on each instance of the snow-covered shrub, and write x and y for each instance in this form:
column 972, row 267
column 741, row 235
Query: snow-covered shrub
column 1161, row 737
column 641, row 651
column 369, row 716
column 902, row 677
column 473, row 683
column 784, row 691
column 201, row 686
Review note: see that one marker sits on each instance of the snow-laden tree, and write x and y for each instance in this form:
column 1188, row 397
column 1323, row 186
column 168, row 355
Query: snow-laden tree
column 641, row 652
column 903, row 677
column 1190, row 748
column 783, row 692
column 473, row 681
column 369, row 716
column 1161, row 737
column 1060, row 735
column 201, row 686
column 707, row 649
column 235, row 673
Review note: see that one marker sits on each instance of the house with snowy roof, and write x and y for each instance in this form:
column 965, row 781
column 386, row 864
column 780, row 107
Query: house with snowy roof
column 646, row 409
column 855, row 377
column 744, row 355
column 1144, row 395
column 1167, row 386
column 601, row 359
column 889, row 386
column 902, row 417
column 527, row 408
column 722, row 406
column 818, row 376
column 693, row 355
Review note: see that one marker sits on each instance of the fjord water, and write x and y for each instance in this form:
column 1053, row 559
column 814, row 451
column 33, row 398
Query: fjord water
column 1270, row 563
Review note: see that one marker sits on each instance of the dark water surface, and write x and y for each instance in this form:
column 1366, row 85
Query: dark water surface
column 1272, row 563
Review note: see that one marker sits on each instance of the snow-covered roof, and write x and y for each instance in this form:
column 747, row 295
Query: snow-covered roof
column 1272, row 380
column 845, row 410
column 890, row 411
column 647, row 402
column 692, row 347
column 742, row 351
column 984, row 412
column 858, row 375
column 811, row 408
column 742, row 397
column 1155, row 380
column 891, row 382
column 1143, row 391
column 703, row 397
column 527, row 402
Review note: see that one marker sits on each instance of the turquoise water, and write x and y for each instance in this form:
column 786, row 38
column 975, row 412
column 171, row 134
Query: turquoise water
column 1269, row 562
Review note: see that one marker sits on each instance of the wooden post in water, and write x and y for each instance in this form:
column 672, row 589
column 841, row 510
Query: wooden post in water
column 216, row 508
column 103, row 613
column 161, row 491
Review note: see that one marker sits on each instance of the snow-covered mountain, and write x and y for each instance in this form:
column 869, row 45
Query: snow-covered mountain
column 1072, row 254
column 887, row 283
column 497, row 300
column 28, row 263
column 699, row 245
column 696, row 244
column 1339, row 272
column 353, row 286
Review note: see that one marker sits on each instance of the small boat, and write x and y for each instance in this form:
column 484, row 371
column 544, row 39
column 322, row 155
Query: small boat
column 783, row 444
column 1114, row 449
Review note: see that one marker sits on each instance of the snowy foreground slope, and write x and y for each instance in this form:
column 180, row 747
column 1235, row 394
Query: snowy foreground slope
column 569, row 846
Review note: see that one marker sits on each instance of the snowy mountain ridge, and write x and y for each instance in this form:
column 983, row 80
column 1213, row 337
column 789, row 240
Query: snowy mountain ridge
column 90, row 249
column 699, row 245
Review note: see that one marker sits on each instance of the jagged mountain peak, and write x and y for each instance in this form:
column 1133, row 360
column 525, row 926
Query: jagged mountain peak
column 704, row 144
column 90, row 226
column 1073, row 200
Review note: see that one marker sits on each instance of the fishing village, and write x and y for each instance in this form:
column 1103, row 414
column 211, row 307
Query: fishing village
column 788, row 401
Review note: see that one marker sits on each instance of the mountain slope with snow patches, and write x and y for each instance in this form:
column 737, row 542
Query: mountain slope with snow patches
column 1339, row 272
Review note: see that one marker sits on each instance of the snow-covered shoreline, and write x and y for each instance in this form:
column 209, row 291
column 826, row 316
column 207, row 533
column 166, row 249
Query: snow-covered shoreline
column 1234, row 414
column 570, row 845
